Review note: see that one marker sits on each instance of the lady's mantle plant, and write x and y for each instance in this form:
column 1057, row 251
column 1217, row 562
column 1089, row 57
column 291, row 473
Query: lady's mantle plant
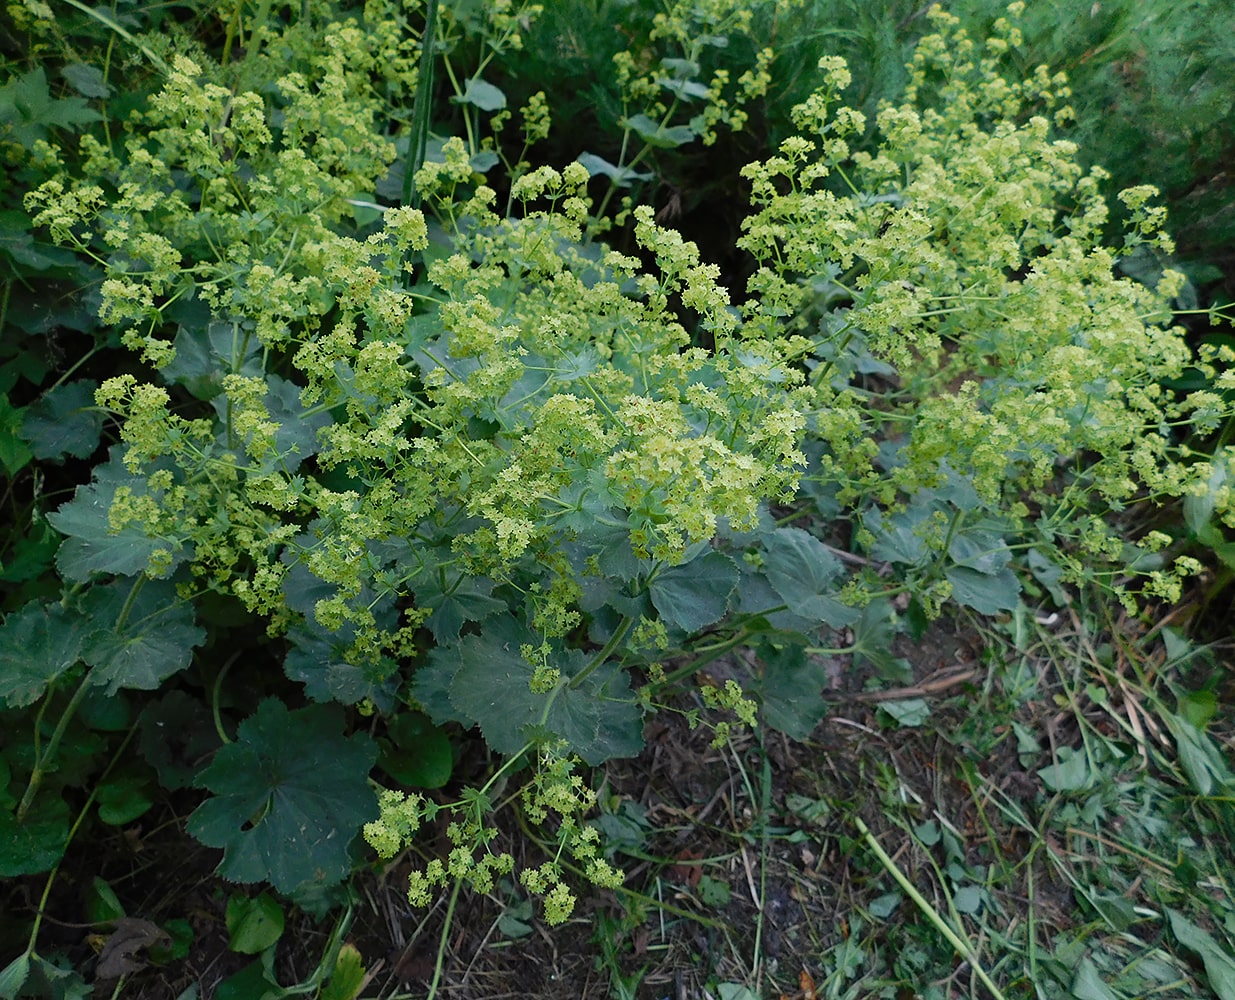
column 468, row 462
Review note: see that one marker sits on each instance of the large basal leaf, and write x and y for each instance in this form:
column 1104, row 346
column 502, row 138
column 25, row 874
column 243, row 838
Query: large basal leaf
column 791, row 692
column 319, row 661
column 37, row 644
column 35, row 844
column 64, row 421
column 289, row 795
column 803, row 571
column 154, row 640
column 454, row 600
column 92, row 547
column 986, row 593
column 695, row 594
column 491, row 687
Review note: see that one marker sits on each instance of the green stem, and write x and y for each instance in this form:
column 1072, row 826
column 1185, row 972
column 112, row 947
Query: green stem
column 103, row 18
column 615, row 640
column 421, row 110
column 214, row 697
column 441, row 941
column 81, row 816
column 963, row 947
column 53, row 744
column 40, row 765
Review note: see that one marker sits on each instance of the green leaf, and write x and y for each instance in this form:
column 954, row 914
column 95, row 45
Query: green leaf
column 1219, row 965
column 123, row 799
column 102, row 903
column 803, row 571
column 92, row 547
column 37, row 843
column 1203, row 762
column 657, row 135
column 348, row 978
column 64, row 421
column 154, row 640
column 455, row 600
column 319, row 661
column 253, row 925
column 1070, row 773
column 250, row 983
column 289, row 796
column 483, row 95
column 1087, row 984
column 695, row 594
column 491, row 687
column 986, row 593
column 14, row 976
column 37, row 644
column 909, row 712
column 14, row 452
column 28, row 109
column 86, row 80
column 176, row 732
column 621, row 176
column 791, row 693
column 417, row 754
column 873, row 635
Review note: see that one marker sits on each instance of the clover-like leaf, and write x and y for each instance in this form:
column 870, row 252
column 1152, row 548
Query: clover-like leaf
column 802, row 570
column 37, row 644
column 64, row 421
column 695, row 594
column 138, row 643
column 289, row 795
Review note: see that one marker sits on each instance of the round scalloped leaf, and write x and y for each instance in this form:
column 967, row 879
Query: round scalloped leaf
column 92, row 547
column 35, row 844
column 290, row 794
column 599, row 719
column 802, row 570
column 64, row 421
column 154, row 641
column 37, row 644
column 695, row 595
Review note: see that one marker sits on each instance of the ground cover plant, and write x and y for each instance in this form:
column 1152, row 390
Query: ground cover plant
column 383, row 483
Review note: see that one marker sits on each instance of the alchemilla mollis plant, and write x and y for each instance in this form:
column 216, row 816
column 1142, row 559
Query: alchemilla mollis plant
column 472, row 468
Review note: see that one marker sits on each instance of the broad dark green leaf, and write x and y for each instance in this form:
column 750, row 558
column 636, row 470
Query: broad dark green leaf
column 176, row 733
column 253, row 925
column 27, row 109
column 289, row 795
column 657, row 135
column 154, row 640
column 92, row 547
column 417, row 754
column 64, row 421
column 987, row 593
column 621, row 176
column 695, row 594
column 319, row 661
column 483, row 95
column 86, row 80
column 803, row 571
column 454, row 601
column 37, row 843
column 37, row 644
column 491, row 687
column 791, row 691
column 1087, row 984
